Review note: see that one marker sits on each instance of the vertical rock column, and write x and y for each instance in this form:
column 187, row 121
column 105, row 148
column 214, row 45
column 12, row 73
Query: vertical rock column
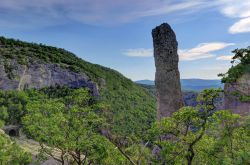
column 167, row 76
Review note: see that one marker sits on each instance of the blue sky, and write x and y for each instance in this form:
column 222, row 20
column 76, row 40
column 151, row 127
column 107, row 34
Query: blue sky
column 117, row 33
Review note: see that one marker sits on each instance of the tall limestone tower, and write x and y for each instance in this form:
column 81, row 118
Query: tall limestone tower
column 167, row 76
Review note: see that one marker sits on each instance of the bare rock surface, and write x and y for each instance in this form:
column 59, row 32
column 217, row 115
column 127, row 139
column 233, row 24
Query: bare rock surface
column 233, row 91
column 167, row 77
column 38, row 75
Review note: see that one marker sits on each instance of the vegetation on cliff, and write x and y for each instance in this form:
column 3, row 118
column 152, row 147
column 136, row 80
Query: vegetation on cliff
column 240, row 65
column 240, row 68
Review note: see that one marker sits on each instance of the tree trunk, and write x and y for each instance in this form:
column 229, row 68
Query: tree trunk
column 62, row 158
column 190, row 156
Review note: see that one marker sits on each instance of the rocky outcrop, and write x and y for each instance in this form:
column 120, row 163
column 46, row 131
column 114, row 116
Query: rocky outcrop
column 37, row 75
column 12, row 130
column 234, row 94
column 190, row 98
column 167, row 77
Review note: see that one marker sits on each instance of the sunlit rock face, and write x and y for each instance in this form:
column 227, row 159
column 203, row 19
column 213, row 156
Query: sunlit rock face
column 233, row 96
column 167, row 77
column 38, row 74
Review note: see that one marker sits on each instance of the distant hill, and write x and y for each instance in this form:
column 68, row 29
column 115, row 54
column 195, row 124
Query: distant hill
column 145, row 82
column 191, row 84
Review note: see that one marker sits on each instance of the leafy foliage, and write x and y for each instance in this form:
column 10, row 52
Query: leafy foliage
column 11, row 153
column 241, row 65
column 72, row 126
column 202, row 136
column 12, row 106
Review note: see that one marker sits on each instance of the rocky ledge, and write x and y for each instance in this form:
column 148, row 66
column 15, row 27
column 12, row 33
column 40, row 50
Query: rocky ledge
column 36, row 74
column 237, row 96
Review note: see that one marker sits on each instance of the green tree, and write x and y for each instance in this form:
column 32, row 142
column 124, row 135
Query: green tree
column 44, row 122
column 227, row 140
column 240, row 65
column 180, row 133
column 72, row 126
column 12, row 106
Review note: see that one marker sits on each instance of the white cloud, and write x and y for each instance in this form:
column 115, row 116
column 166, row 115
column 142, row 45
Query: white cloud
column 94, row 12
column 170, row 8
column 203, row 50
column 140, row 52
column 225, row 58
column 234, row 8
column 241, row 26
column 237, row 9
column 28, row 13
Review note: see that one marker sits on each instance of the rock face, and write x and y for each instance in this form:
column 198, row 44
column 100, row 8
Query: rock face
column 189, row 98
column 167, row 77
column 12, row 130
column 38, row 74
column 233, row 92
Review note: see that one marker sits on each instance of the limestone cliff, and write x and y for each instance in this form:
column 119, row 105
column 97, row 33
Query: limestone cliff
column 37, row 74
column 167, row 77
column 235, row 94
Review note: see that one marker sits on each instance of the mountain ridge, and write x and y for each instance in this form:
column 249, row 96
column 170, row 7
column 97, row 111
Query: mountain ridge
column 194, row 84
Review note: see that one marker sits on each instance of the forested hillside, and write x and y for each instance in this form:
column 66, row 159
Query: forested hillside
column 71, row 126
column 131, row 105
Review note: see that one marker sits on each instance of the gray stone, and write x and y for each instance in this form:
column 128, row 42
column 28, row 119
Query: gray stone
column 38, row 75
column 232, row 101
column 12, row 130
column 167, row 77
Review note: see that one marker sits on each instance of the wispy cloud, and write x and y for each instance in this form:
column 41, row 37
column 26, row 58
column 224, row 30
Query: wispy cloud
column 90, row 11
column 240, row 9
column 241, row 26
column 225, row 58
column 233, row 9
column 203, row 50
column 28, row 13
column 140, row 52
column 167, row 7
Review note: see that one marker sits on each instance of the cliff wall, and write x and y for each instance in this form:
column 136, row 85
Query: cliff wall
column 237, row 96
column 37, row 74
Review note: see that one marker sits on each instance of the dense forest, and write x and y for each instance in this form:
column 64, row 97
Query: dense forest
column 73, row 127
column 74, row 124
column 127, row 100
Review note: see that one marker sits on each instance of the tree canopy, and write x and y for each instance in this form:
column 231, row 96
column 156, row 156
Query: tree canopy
column 240, row 65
